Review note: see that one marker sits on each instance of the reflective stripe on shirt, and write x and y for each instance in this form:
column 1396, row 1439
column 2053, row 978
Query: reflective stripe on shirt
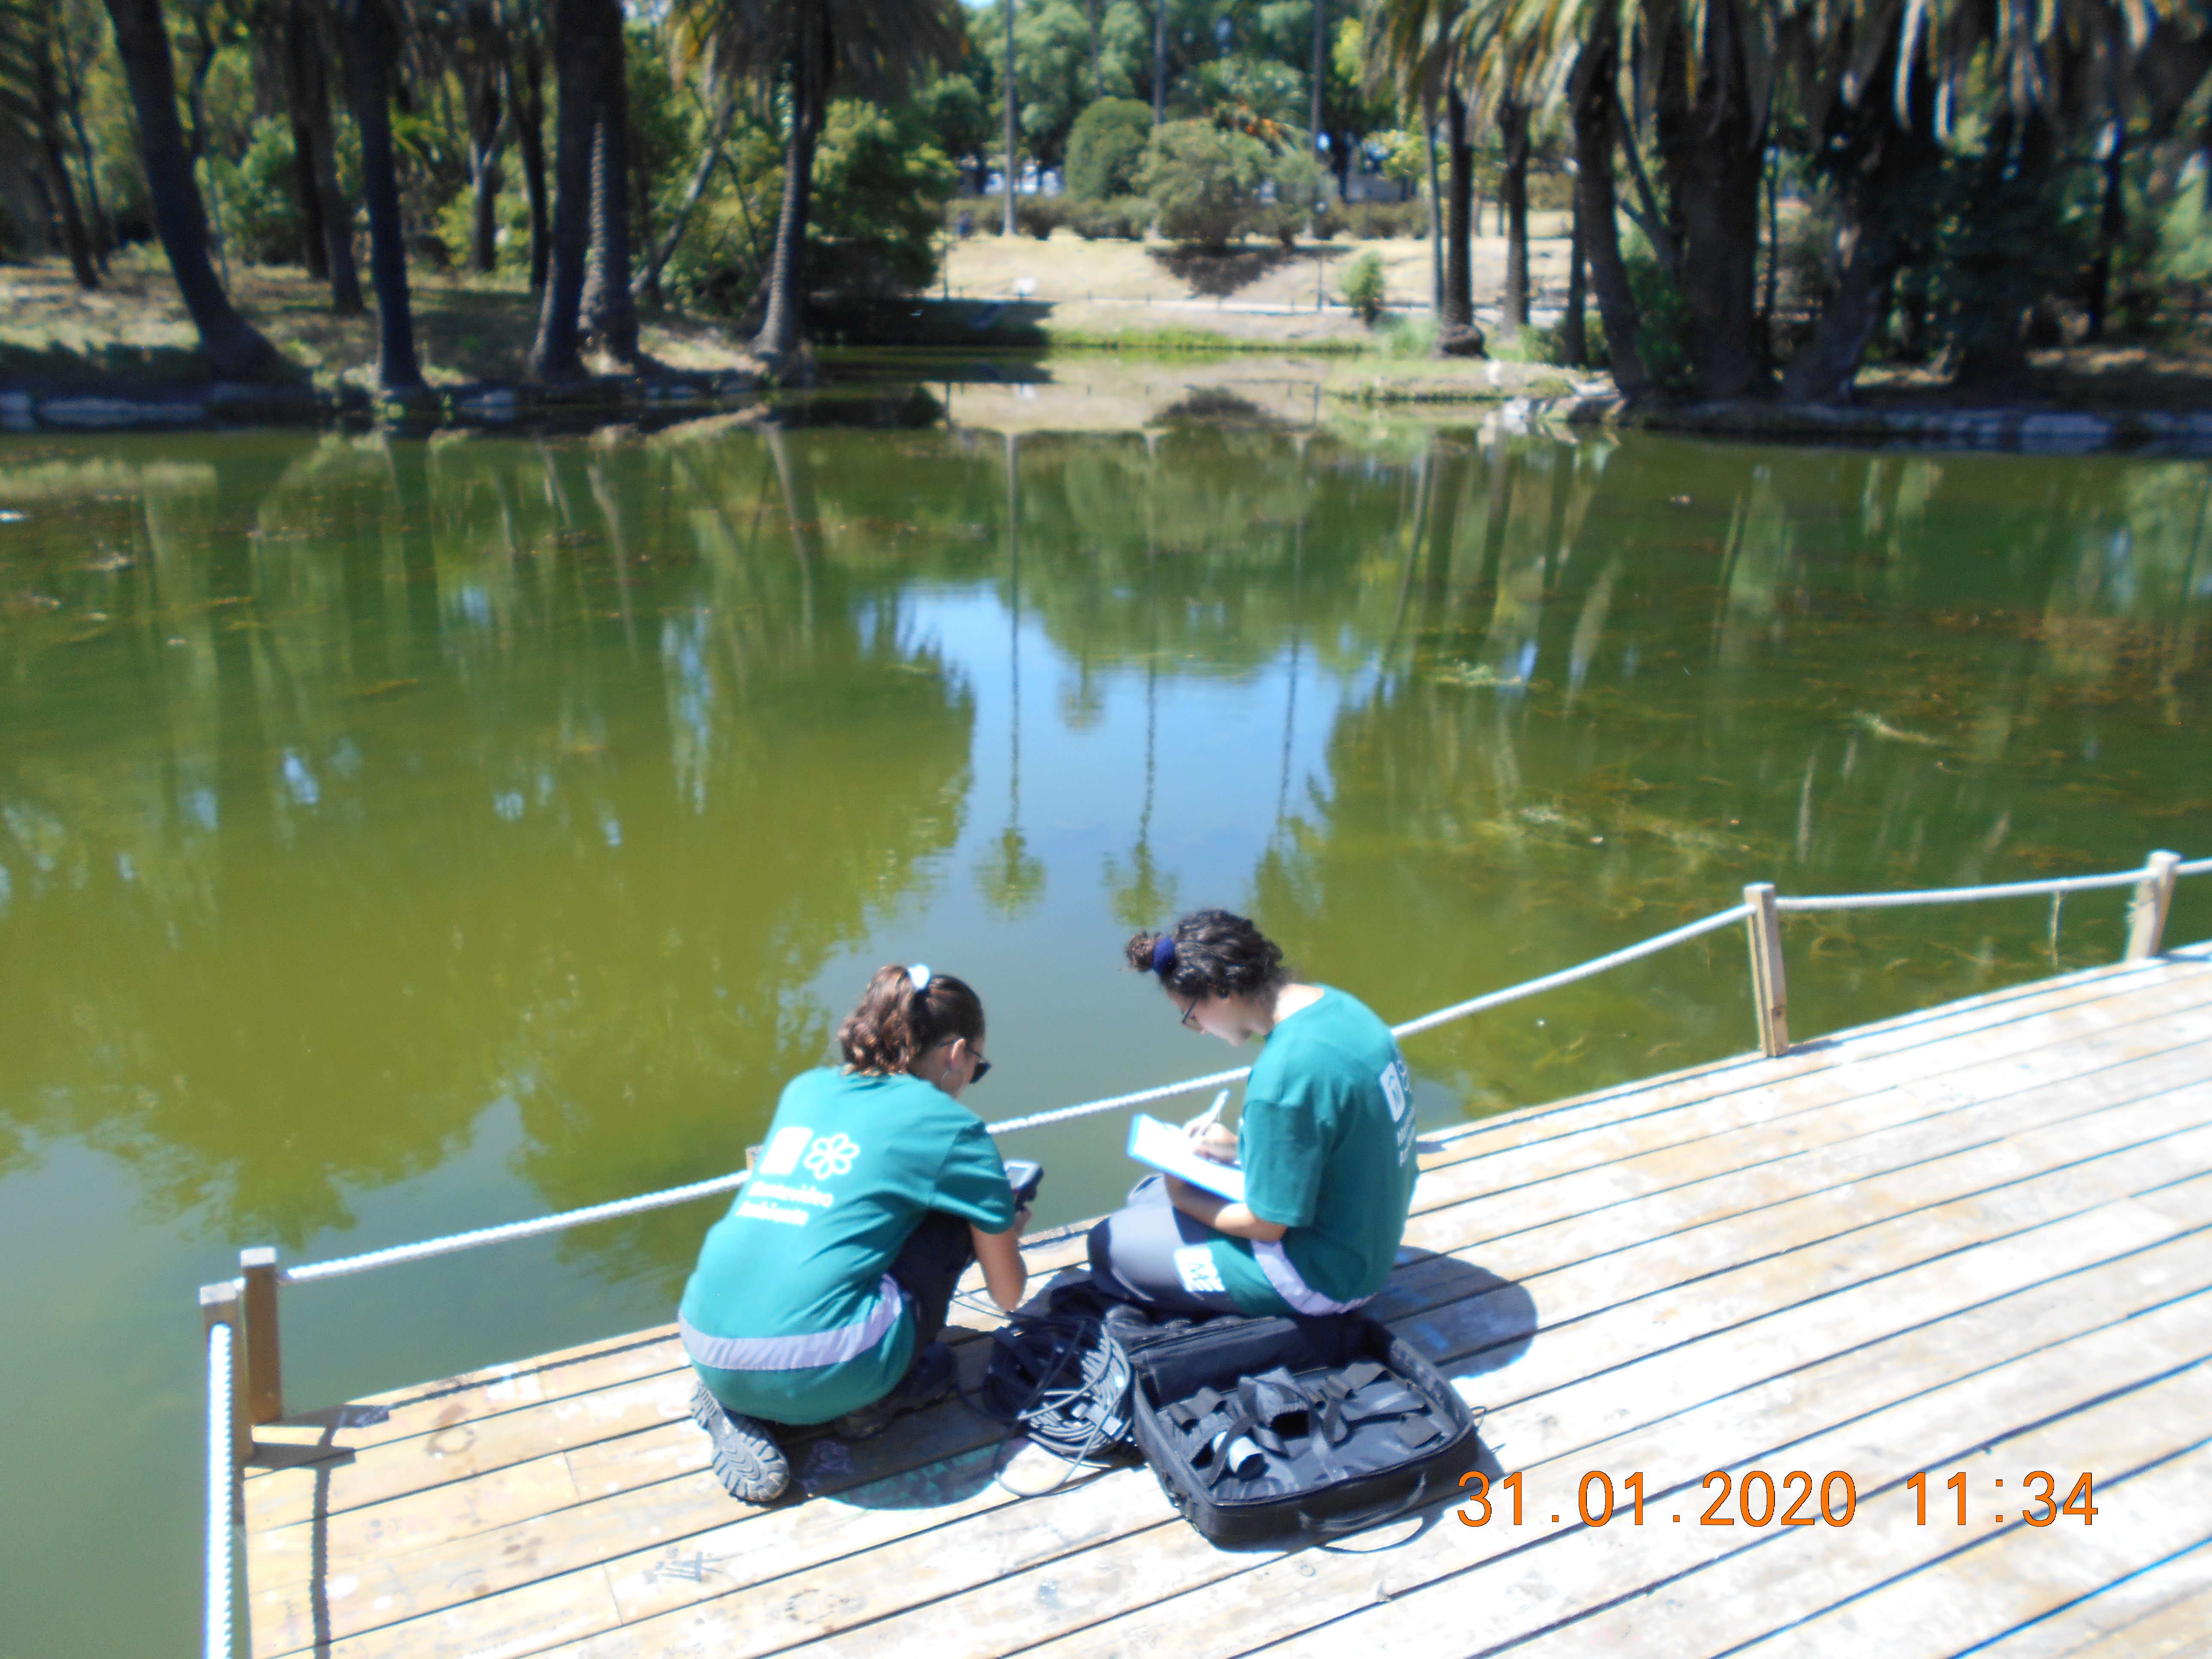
column 1284, row 1276
column 791, row 1353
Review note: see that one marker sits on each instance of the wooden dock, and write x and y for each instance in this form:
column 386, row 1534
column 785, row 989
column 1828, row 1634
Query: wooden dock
column 1975, row 1240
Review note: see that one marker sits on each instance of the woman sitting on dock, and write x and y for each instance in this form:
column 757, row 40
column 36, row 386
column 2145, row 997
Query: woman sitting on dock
column 819, row 1297
column 1326, row 1141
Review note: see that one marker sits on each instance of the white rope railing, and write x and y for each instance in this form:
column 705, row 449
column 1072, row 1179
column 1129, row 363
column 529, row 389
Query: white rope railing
column 1569, row 975
column 1968, row 895
column 221, row 1478
column 309, row 1272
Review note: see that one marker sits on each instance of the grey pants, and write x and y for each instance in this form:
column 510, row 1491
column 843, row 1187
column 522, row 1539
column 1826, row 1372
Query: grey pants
column 1135, row 1255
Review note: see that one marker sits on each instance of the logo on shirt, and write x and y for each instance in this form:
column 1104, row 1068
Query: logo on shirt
column 1396, row 1088
column 781, row 1156
column 832, row 1155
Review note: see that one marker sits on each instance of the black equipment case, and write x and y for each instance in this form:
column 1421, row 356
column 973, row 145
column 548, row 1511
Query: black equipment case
column 1277, row 1430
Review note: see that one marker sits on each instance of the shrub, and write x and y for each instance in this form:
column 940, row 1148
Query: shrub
column 1361, row 284
column 1199, row 180
column 1040, row 216
column 1121, row 219
column 1106, row 147
column 1375, row 222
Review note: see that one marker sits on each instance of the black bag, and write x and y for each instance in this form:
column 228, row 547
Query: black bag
column 1272, row 1430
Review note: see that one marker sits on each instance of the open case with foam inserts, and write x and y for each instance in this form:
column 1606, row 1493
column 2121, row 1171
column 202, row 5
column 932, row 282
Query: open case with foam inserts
column 1272, row 1430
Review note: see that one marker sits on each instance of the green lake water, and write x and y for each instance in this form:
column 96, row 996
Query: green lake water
column 399, row 836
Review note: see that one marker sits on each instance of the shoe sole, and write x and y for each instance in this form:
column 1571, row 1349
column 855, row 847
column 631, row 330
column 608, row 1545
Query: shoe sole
column 745, row 1475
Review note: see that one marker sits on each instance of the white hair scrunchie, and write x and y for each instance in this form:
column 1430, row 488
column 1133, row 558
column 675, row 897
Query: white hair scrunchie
column 920, row 974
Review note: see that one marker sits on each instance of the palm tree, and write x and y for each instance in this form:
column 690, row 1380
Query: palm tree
column 234, row 348
column 587, row 60
column 372, row 42
column 1414, row 45
column 878, row 47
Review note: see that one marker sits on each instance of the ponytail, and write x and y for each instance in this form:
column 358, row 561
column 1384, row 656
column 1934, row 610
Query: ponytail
column 905, row 1013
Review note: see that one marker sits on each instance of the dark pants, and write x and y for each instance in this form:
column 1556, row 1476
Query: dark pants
column 1133, row 1254
column 928, row 1269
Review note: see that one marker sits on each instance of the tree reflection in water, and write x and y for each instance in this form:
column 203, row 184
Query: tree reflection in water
column 352, row 785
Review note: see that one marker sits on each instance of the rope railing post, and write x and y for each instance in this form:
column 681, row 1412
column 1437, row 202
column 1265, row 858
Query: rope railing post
column 229, row 1443
column 263, row 1356
column 2153, row 897
column 222, row 1478
column 1770, row 988
column 219, row 1305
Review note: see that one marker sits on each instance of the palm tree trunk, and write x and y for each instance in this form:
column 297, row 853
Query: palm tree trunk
column 1591, row 97
column 484, row 123
column 337, row 213
column 527, row 98
column 609, row 314
column 297, row 64
column 1159, row 61
column 1456, row 334
column 1013, row 125
column 1574, row 339
column 1513, row 206
column 1713, row 153
column 56, row 166
column 555, row 355
column 369, row 49
column 782, row 328
column 234, row 348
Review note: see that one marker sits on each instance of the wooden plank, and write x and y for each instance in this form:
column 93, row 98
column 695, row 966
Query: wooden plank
column 1600, row 1285
column 2148, row 1617
column 1703, row 1601
column 2014, row 1006
column 1130, row 1555
column 518, row 1552
column 1170, row 1629
column 598, row 1445
column 504, row 1388
column 1929, row 1606
column 1966, row 1071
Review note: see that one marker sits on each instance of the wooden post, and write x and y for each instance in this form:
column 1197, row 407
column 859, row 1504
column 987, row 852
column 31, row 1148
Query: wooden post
column 1769, row 990
column 2147, row 915
column 219, row 1305
column 262, row 1358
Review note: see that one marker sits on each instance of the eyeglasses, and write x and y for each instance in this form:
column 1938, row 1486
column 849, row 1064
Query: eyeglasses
column 1190, row 1014
column 983, row 1069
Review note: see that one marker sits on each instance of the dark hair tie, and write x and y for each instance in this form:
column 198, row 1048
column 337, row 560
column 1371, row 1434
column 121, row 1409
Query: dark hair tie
column 1164, row 955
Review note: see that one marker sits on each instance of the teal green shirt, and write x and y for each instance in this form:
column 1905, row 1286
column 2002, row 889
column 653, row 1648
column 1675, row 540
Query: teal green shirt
column 1327, row 1143
column 790, row 1315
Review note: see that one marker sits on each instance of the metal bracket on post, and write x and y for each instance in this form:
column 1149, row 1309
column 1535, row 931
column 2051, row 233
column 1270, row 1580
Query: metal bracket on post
column 2147, row 915
column 219, row 1305
column 264, row 1362
column 1769, row 990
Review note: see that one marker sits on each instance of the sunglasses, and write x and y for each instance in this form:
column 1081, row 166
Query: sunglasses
column 1190, row 1014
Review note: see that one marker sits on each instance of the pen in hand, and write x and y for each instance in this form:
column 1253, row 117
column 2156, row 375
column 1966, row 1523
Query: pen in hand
column 1205, row 1130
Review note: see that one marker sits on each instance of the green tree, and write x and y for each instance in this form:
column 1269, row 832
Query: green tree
column 1199, row 180
column 1106, row 148
column 880, row 47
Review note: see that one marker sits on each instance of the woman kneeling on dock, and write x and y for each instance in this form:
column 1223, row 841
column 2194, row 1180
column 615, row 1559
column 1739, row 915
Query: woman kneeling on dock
column 819, row 1297
column 1326, row 1141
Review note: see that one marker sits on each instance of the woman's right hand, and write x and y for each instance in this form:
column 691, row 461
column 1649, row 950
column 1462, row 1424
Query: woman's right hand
column 1215, row 1143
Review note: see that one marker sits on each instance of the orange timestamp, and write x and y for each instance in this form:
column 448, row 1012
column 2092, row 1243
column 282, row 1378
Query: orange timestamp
column 1761, row 1500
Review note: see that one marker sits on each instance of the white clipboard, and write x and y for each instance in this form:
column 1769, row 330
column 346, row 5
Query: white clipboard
column 1168, row 1149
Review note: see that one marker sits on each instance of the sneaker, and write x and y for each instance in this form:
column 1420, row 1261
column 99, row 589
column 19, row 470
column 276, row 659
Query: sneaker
column 749, row 1463
column 928, row 1380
